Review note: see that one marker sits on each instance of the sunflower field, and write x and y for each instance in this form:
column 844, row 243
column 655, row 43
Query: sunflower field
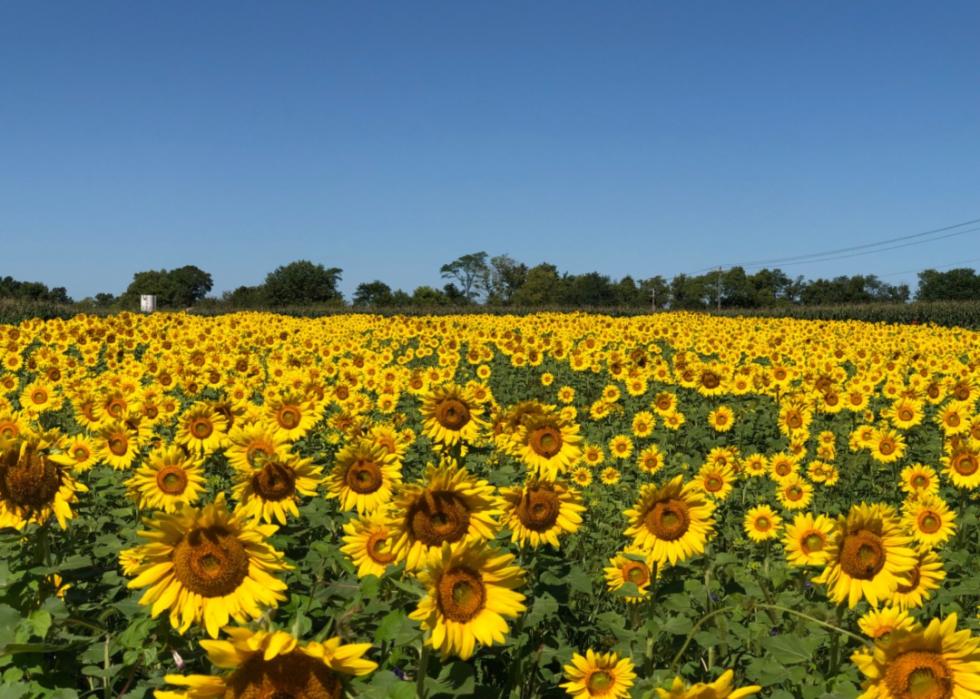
column 672, row 506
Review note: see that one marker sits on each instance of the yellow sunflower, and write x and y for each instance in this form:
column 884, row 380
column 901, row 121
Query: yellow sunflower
column 598, row 675
column 962, row 467
column 36, row 484
column 721, row 419
column 270, row 490
column 716, row 481
column 548, row 445
column 631, row 565
column 451, row 415
column 756, row 465
column 82, row 450
column 119, row 444
column 273, row 664
column 878, row 623
column 13, row 426
column 935, row 662
column 868, row 557
column 807, row 539
column 887, row 445
column 363, row 477
column 469, row 591
column 368, row 543
column 582, row 477
column 762, row 523
column 672, row 521
column 202, row 429
column 540, row 511
column 926, row 575
column 794, row 492
column 929, row 520
column 168, row 479
column 719, row 689
column 251, row 444
column 917, row 478
column 610, row 475
column 620, row 446
column 450, row 506
column 208, row 565
column 291, row 415
column 650, row 460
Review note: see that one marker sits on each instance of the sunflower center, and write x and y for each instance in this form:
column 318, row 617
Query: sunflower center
column 378, row 548
column 915, row 576
column 862, row 554
column 438, row 517
column 80, row 453
column 814, row 541
column 710, row 379
column 794, row 492
column 118, row 444
column 452, row 414
column 636, row 572
column 258, row 452
column 292, row 676
column 30, row 481
column 201, row 428
column 919, row 675
column 288, row 417
column 364, row 477
column 599, row 683
column 668, row 519
column 274, row 482
column 905, row 414
column 538, row 509
column 546, row 441
column 172, row 480
column 794, row 420
column 929, row 522
column 210, row 561
column 461, row 594
column 763, row 524
column 953, row 420
column 713, row 484
column 39, row 396
column 965, row 463
column 920, row 482
column 886, row 447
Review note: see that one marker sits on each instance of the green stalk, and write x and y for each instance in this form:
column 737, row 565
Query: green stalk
column 422, row 671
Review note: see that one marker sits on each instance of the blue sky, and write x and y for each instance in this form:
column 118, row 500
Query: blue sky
column 390, row 138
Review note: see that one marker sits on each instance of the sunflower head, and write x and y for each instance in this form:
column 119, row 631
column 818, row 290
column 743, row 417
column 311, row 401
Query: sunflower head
column 541, row 511
column 672, row 521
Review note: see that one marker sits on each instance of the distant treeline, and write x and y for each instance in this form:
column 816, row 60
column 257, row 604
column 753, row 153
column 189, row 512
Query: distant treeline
column 502, row 282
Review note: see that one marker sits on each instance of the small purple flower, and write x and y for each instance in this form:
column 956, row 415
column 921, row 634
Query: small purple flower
column 399, row 673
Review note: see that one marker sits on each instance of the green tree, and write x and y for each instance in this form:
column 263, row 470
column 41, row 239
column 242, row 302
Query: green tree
column 507, row 275
column 188, row 284
column 590, row 289
column 303, row 282
column 427, row 297
column 376, row 293
column 472, row 273
column 542, row 287
column 961, row 284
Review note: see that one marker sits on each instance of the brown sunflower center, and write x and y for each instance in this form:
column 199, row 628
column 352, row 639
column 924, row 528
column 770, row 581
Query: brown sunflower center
column 546, row 441
column 29, row 481
column 274, row 482
column 172, row 480
column 713, row 483
column 763, row 523
column 915, row 577
column 813, row 542
column 538, row 509
column 210, row 561
column 965, row 463
column 929, row 522
column 292, row 676
column 953, row 420
column 920, row 481
column 794, row 493
column 378, row 548
column 39, row 396
column 364, row 476
column 905, row 414
column 201, row 428
column 452, row 414
column 919, row 674
column 886, row 447
column 257, row 452
column 461, row 594
column 599, row 683
column 862, row 554
column 668, row 519
column 710, row 379
column 439, row 516
column 80, row 453
column 118, row 443
column 288, row 417
column 794, row 420
column 636, row 572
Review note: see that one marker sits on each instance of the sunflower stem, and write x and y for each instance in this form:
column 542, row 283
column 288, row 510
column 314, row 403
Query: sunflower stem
column 832, row 627
column 835, row 643
column 694, row 629
column 422, row 671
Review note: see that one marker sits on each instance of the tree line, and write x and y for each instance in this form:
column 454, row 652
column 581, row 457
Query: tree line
column 501, row 281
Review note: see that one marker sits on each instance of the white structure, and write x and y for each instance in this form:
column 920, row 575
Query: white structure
column 148, row 303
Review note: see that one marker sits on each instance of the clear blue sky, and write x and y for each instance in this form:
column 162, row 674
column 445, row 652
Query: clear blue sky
column 389, row 138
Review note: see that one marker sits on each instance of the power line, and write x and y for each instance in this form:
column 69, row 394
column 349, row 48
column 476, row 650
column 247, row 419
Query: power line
column 937, row 268
column 795, row 258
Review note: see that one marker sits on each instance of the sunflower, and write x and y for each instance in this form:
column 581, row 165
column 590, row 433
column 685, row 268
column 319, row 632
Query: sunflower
column 935, row 662
column 291, row 415
column 868, row 556
column 794, row 492
column 593, row 455
column 887, row 446
column 270, row 490
column 762, row 523
column 598, row 675
column 962, row 467
column 83, row 452
column 905, row 413
column 37, row 398
column 782, row 466
column 954, row 418
column 168, row 479
column 674, row 420
column 202, row 429
column 929, row 520
column 273, row 664
column 719, row 689
column 368, row 543
column 643, row 424
column 469, row 591
column 919, row 479
column 119, row 444
column 807, row 539
column 878, row 623
column 632, row 565
column 252, row 443
column 716, row 481
column 610, row 476
column 650, row 460
column 13, row 426
column 672, row 521
column 541, row 511
column 36, row 484
column 721, row 419
column 548, row 445
column 208, row 565
column 451, row 415
column 582, row 476
column 926, row 575
column 620, row 446
column 664, row 402
column 756, row 465
column 363, row 476
column 450, row 506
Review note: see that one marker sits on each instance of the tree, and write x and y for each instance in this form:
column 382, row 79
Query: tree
column 472, row 273
column 302, row 282
column 103, row 299
column 655, row 289
column 628, row 293
column 245, row 297
column 375, row 293
column 507, row 275
column 690, row 293
column 590, row 289
column 542, row 287
column 426, row 297
column 188, row 284
column 959, row 284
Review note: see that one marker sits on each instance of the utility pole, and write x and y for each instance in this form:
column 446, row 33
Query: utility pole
column 719, row 288
column 653, row 299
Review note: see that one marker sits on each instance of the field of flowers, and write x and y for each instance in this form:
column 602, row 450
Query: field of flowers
column 673, row 506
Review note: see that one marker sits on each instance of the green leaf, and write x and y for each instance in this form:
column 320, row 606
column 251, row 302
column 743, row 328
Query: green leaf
column 543, row 608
